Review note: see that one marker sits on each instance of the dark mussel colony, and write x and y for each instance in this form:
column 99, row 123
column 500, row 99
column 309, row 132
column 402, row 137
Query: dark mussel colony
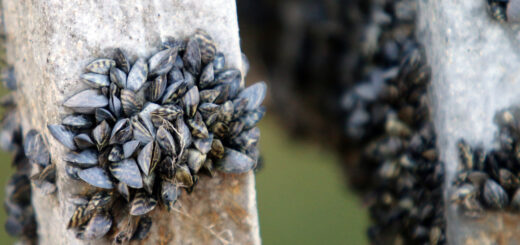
column 29, row 152
column 387, row 110
column 142, row 133
column 488, row 180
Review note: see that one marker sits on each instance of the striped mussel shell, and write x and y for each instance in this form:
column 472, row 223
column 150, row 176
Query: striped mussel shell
column 145, row 130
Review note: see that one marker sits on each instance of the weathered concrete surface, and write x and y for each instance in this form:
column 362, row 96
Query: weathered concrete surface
column 476, row 71
column 50, row 41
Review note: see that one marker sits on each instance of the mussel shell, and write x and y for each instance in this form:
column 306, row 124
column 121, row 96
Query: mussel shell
column 97, row 177
column 208, row 95
column 101, row 66
column 142, row 204
column 184, row 133
column 198, row 128
column 217, row 149
column 130, row 147
column 167, row 112
column 207, row 46
column 77, row 122
column 162, row 62
column 203, row 145
column 235, row 162
column 226, row 112
column 118, row 77
column 148, row 182
column 255, row 94
column 175, row 76
column 100, row 201
column 137, row 75
column 192, row 56
column 97, row 227
column 85, row 158
column 103, row 114
column 64, row 136
column 121, row 60
column 86, row 101
column 183, row 176
column 121, row 132
column 494, row 195
column 130, row 102
column 157, row 88
column 35, row 148
column 127, row 172
column 195, row 160
column 141, row 131
column 166, row 142
column 123, row 189
column 95, row 80
column 251, row 118
column 219, row 62
column 207, row 78
column 246, row 139
column 101, row 134
column 116, row 154
column 191, row 100
column 169, row 193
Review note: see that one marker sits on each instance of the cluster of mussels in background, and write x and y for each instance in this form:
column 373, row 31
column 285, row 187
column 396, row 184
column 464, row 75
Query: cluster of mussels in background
column 28, row 157
column 387, row 112
column 143, row 132
column 488, row 180
column 364, row 57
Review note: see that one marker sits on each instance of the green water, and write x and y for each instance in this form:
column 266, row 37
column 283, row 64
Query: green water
column 301, row 195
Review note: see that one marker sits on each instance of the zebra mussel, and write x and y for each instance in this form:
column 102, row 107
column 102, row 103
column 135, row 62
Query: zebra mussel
column 488, row 179
column 143, row 131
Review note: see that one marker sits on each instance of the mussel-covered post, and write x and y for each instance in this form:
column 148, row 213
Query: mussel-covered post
column 129, row 100
column 475, row 64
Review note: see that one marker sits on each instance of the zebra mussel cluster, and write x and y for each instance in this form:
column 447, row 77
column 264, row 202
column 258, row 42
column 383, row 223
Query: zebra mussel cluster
column 21, row 221
column 405, row 195
column 387, row 112
column 144, row 132
column 489, row 180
